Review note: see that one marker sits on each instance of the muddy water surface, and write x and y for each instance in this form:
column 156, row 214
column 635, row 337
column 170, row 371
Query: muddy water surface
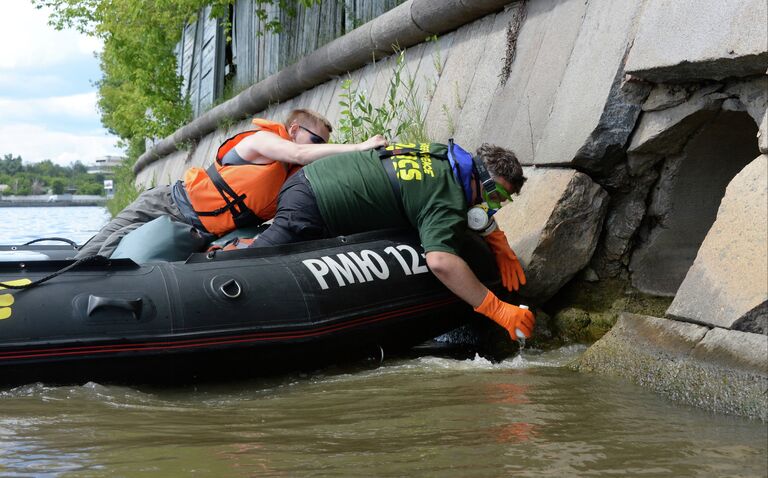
column 425, row 416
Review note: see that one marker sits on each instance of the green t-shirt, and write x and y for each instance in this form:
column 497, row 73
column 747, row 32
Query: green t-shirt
column 354, row 195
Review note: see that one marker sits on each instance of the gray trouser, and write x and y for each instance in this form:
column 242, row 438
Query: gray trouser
column 149, row 205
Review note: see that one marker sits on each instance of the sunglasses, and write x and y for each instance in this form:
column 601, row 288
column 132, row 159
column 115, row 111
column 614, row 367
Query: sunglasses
column 315, row 138
column 495, row 198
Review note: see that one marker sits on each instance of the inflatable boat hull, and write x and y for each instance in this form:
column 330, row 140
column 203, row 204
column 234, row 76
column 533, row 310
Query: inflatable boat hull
column 245, row 313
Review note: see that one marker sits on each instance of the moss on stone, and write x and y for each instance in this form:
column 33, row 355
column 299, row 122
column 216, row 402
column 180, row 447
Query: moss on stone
column 675, row 375
column 585, row 311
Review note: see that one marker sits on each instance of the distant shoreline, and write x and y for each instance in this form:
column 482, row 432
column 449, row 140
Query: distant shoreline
column 67, row 200
column 53, row 204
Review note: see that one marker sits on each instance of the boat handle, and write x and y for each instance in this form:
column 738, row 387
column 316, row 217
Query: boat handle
column 231, row 289
column 132, row 305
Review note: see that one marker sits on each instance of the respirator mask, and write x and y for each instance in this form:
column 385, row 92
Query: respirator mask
column 480, row 216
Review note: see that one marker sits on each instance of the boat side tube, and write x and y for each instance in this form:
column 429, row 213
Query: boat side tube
column 303, row 301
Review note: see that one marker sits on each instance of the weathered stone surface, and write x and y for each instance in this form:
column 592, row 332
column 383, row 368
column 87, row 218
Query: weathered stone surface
column 755, row 321
column 625, row 214
column 487, row 78
column 334, row 108
column 762, row 134
column 453, row 85
column 320, row 98
column 665, row 96
column 568, row 65
column 553, row 227
column 670, row 338
column 684, row 40
column 593, row 89
column 153, row 175
column 683, row 204
column 380, row 86
column 521, row 108
column 431, row 67
column 734, row 349
column 680, row 361
column 665, row 131
column 752, row 94
column 729, row 277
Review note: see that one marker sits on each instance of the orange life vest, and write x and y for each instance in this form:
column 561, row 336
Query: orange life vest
column 226, row 197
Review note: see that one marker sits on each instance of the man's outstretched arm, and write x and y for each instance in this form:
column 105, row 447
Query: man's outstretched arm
column 264, row 147
column 456, row 275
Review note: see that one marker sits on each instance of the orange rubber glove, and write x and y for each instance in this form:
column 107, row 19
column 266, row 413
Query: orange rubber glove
column 512, row 275
column 508, row 316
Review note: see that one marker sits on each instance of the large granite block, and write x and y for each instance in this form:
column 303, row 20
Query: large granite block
column 727, row 286
column 719, row 370
column 734, row 349
column 664, row 131
column 553, row 227
column 685, row 40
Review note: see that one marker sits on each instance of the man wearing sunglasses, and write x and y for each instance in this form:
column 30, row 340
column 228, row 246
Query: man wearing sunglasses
column 417, row 186
column 239, row 189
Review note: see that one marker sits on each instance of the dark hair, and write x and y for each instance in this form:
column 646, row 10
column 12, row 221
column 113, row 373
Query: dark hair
column 502, row 163
column 313, row 117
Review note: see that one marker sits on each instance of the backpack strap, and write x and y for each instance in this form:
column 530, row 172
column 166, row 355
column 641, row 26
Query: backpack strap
column 386, row 162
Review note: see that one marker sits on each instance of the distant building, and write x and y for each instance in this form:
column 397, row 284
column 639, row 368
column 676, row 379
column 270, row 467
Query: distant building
column 105, row 165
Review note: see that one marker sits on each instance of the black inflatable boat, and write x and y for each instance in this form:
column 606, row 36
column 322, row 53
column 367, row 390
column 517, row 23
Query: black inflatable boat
column 222, row 314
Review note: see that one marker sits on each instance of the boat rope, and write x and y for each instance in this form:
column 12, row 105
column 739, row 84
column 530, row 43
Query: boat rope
column 96, row 259
column 59, row 239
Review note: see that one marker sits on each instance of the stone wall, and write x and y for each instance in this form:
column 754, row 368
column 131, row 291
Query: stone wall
column 631, row 129
column 722, row 371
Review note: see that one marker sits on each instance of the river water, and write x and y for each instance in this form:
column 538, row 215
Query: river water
column 527, row 416
column 21, row 224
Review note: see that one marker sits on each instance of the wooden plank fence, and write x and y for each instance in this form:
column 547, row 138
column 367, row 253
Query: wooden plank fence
column 255, row 53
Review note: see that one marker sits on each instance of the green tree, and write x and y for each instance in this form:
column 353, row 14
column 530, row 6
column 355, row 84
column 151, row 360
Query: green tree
column 57, row 186
column 37, row 178
column 139, row 66
column 91, row 189
column 79, row 168
column 10, row 165
column 138, row 60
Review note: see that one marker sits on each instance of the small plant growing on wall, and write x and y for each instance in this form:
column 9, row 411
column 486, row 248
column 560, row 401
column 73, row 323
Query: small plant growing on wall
column 400, row 116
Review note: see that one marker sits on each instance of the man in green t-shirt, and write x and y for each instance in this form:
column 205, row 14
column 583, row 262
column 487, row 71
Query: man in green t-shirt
column 409, row 185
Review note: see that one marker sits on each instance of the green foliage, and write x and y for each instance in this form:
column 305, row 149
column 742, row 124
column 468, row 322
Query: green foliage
column 58, row 185
column 39, row 178
column 140, row 92
column 137, row 61
column 10, row 165
column 288, row 6
column 125, row 191
column 400, row 116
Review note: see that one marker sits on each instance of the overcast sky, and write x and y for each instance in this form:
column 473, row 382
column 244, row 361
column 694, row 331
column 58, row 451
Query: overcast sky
column 47, row 98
